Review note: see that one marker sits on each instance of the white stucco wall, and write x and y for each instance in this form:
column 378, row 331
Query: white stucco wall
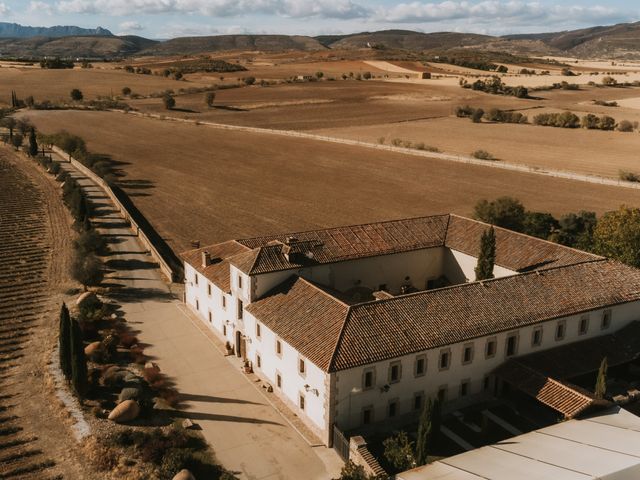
column 460, row 267
column 351, row 399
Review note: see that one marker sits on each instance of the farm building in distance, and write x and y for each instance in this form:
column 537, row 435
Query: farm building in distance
column 360, row 324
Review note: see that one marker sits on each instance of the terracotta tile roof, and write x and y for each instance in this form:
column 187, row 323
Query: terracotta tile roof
column 514, row 250
column 346, row 243
column 304, row 316
column 218, row 272
column 565, row 398
column 339, row 337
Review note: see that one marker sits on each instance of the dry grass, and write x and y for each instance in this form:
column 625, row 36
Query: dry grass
column 196, row 182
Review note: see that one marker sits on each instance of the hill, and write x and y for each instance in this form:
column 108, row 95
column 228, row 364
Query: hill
column 268, row 43
column 74, row 47
column 14, row 30
column 407, row 40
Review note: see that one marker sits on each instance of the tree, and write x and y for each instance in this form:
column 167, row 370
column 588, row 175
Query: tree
column 617, row 235
column 17, row 141
column 33, row 143
column 367, row 75
column 250, row 80
column 351, row 471
column 601, row 381
column 64, row 342
column 398, row 450
column 428, row 430
column 76, row 95
column 319, row 75
column 209, row 98
column 539, row 224
column 126, row 91
column 487, row 256
column 87, row 269
column 169, row 101
column 506, row 212
column 576, row 230
column 78, row 361
column 476, row 116
column 10, row 123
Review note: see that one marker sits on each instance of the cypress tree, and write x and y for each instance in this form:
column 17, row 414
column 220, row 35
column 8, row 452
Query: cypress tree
column 78, row 361
column 424, row 433
column 33, row 143
column 64, row 341
column 436, row 421
column 601, row 380
column 487, row 257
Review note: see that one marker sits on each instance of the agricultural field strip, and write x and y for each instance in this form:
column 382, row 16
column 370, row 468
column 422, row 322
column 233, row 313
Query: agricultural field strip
column 406, row 151
column 25, row 254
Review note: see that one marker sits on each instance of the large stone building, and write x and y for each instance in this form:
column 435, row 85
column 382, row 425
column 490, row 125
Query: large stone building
column 360, row 324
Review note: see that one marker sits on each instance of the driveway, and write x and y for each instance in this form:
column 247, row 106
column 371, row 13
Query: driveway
column 248, row 435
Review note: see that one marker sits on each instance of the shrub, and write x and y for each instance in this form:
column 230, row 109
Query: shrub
column 76, row 95
column 396, row 142
column 590, row 122
column 496, row 115
column 464, row 112
column 168, row 101
column 126, row 91
column 607, row 123
column 604, row 103
column 249, row 80
column 482, row 155
column 366, row 75
column 562, row 120
column 609, row 81
column 476, row 116
column 567, row 72
column 625, row 126
column 629, row 176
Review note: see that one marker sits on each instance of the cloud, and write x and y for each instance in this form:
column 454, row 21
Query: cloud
column 343, row 9
column 131, row 26
column 495, row 11
column 4, row 10
column 41, row 8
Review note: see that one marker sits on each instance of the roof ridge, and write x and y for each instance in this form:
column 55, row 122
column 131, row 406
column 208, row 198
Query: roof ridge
column 317, row 287
column 192, row 250
column 577, row 250
column 334, row 354
column 383, row 222
column 481, row 282
column 255, row 260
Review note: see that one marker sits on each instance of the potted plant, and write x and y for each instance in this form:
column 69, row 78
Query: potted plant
column 246, row 368
column 228, row 348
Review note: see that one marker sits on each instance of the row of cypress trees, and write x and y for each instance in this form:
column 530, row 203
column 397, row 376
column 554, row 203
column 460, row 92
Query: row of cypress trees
column 73, row 362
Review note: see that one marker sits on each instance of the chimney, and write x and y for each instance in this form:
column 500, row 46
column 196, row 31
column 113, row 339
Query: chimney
column 206, row 259
column 290, row 240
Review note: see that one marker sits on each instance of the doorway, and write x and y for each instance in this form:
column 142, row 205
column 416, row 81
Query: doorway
column 238, row 344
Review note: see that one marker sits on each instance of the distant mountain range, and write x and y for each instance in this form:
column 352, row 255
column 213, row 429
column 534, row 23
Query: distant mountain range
column 14, row 30
column 612, row 42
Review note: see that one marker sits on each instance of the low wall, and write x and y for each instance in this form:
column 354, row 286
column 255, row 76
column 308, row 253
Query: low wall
column 359, row 454
column 172, row 274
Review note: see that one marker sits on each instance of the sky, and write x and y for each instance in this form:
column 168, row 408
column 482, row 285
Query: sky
column 173, row 18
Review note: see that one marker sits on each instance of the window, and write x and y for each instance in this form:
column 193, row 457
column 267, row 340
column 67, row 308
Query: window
column 278, row 347
column 209, row 289
column 418, row 400
column 367, row 415
column 197, row 304
column 606, row 319
column 395, row 372
column 196, row 279
column 258, row 330
column 240, row 282
column 420, row 366
column 442, row 393
column 467, row 354
column 583, row 326
column 210, row 317
column 490, row 350
column 278, row 380
column 368, row 379
column 258, row 361
column 536, row 337
column 392, row 409
column 444, row 359
column 512, row 345
column 464, row 388
column 224, row 330
column 240, row 309
column 301, row 401
column 560, row 330
column 486, row 383
column 224, row 301
column 301, row 366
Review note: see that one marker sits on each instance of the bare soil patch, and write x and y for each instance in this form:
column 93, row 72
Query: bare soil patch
column 197, row 182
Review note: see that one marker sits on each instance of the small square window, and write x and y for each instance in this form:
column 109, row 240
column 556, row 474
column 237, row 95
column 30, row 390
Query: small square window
column 583, row 326
column 367, row 415
column 210, row 317
column 606, row 319
column 258, row 360
column 536, row 337
column 197, row 304
column 418, row 400
column 224, row 330
column 196, row 279
column 490, row 350
column 393, row 408
column 368, row 379
column 395, row 372
column 240, row 282
column 301, row 366
column 278, row 380
column 301, row 401
column 442, row 393
column 512, row 345
column 278, row 347
column 209, row 289
column 467, row 354
column 420, row 365
column 445, row 359
column 224, row 301
column 464, row 388
column 486, row 383
column 560, row 330
column 258, row 330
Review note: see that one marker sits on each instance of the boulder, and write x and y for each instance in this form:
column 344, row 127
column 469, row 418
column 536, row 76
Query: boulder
column 92, row 348
column 184, row 474
column 125, row 412
column 113, row 375
column 129, row 393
